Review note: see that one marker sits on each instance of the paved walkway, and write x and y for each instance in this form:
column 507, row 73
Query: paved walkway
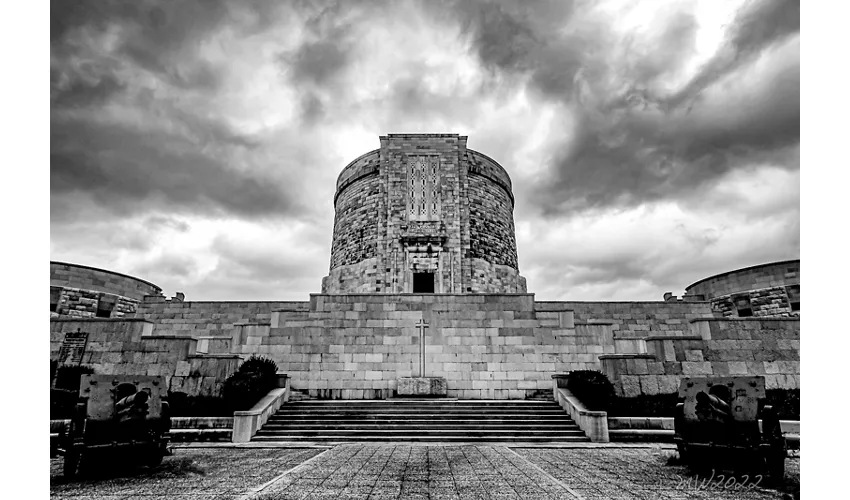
column 363, row 471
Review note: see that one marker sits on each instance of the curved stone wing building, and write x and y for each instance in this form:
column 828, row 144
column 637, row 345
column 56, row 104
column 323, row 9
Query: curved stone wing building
column 765, row 290
column 423, row 214
column 89, row 292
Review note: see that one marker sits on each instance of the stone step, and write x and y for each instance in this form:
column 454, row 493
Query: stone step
column 430, row 420
column 308, row 405
column 410, row 437
column 415, row 425
column 430, row 432
column 421, row 420
column 287, row 417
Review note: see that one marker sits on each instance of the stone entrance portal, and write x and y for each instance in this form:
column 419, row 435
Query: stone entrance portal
column 423, row 282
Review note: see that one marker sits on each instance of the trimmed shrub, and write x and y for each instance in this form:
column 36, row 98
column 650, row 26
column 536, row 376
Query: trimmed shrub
column 786, row 402
column 260, row 365
column 592, row 388
column 655, row 405
column 253, row 380
column 181, row 404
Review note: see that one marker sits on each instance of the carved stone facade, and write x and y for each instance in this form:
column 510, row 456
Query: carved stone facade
column 423, row 214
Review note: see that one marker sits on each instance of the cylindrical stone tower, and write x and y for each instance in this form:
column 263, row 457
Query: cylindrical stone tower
column 423, row 214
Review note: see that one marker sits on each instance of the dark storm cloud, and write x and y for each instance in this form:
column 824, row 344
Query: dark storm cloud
column 167, row 265
column 125, row 170
column 626, row 141
column 123, row 131
column 161, row 36
column 317, row 65
column 757, row 26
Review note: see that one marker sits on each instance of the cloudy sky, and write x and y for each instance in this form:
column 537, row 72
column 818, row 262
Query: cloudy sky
column 196, row 144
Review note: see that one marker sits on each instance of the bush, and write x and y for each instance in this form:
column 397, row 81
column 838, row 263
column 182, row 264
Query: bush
column 263, row 366
column 592, row 388
column 181, row 404
column 253, row 380
column 786, row 402
column 656, row 405
column 68, row 376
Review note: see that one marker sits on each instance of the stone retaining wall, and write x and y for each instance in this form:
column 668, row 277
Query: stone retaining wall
column 721, row 347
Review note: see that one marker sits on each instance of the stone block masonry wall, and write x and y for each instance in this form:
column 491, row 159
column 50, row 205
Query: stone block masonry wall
column 90, row 278
column 767, row 302
column 491, row 227
column 127, row 347
column 720, row 347
column 636, row 319
column 355, row 235
column 217, row 319
column 495, row 278
column 486, row 346
column 362, row 277
column 77, row 303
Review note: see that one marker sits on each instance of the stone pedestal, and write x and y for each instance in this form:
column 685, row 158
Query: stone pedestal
column 421, row 386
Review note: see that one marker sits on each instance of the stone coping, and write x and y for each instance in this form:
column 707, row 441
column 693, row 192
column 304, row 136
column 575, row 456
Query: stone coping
column 247, row 423
column 743, row 269
column 613, row 302
column 752, row 318
column 68, row 319
column 509, row 444
column 625, row 356
column 671, row 337
column 107, row 271
column 421, row 294
column 169, row 337
column 593, row 423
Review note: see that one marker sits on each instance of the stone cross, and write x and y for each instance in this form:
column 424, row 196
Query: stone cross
column 422, row 325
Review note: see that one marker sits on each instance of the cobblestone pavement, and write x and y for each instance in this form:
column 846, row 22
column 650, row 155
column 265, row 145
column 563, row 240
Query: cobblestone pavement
column 375, row 472
column 197, row 474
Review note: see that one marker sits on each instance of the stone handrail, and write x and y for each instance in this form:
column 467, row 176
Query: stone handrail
column 593, row 423
column 247, row 423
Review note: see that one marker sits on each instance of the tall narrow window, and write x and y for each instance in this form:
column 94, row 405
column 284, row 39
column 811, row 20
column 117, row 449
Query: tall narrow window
column 423, row 201
column 55, row 293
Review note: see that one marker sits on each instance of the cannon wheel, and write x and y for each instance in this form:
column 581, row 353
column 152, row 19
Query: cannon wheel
column 775, row 465
column 71, row 464
column 154, row 456
column 683, row 452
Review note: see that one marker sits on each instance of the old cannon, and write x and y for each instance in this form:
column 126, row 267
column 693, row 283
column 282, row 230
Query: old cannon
column 117, row 414
column 723, row 424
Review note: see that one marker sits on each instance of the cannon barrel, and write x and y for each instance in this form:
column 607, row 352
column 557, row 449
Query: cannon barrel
column 137, row 400
column 713, row 402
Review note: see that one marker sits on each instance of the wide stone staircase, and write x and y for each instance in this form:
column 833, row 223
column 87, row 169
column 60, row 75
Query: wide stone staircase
column 437, row 420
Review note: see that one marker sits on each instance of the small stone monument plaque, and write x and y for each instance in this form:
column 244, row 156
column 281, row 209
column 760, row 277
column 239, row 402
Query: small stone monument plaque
column 73, row 347
column 421, row 386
